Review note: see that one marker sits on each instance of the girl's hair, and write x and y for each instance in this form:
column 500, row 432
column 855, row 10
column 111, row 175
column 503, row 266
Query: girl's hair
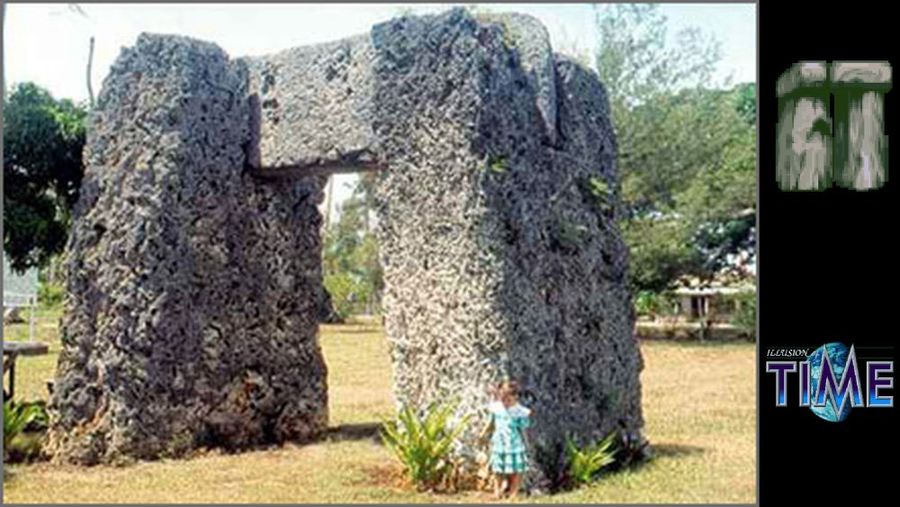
column 508, row 388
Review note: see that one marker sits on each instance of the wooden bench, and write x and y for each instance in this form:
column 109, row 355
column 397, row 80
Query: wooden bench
column 11, row 351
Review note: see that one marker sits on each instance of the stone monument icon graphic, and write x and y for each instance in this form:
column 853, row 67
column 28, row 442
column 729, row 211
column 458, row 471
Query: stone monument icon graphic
column 830, row 129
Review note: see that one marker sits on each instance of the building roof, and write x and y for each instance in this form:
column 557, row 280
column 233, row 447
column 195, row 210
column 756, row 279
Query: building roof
column 712, row 291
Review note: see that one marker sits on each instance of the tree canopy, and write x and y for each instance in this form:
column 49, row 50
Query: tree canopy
column 42, row 169
column 687, row 147
column 352, row 272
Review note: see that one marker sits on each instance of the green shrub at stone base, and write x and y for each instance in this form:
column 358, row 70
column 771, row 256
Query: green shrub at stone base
column 423, row 444
column 17, row 419
column 585, row 463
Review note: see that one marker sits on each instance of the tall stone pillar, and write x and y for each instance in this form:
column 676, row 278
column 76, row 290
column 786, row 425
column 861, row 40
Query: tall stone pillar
column 498, row 230
column 831, row 126
column 190, row 314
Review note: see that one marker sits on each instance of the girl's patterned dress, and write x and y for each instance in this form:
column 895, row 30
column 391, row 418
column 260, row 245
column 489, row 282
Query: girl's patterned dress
column 508, row 454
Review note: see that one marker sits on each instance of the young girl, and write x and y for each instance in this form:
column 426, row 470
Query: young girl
column 508, row 422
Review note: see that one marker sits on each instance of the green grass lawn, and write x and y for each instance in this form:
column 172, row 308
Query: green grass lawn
column 699, row 406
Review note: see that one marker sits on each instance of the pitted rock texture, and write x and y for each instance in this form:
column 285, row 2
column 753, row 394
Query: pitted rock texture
column 191, row 307
column 497, row 196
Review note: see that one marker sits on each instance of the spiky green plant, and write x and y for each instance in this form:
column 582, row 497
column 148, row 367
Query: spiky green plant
column 499, row 165
column 599, row 188
column 423, row 444
column 585, row 463
column 16, row 417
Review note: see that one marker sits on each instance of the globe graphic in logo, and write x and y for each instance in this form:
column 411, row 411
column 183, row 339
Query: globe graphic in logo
column 837, row 356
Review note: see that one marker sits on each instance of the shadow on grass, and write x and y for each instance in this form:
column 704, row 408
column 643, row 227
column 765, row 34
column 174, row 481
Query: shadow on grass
column 361, row 431
column 675, row 450
column 635, row 463
column 657, row 451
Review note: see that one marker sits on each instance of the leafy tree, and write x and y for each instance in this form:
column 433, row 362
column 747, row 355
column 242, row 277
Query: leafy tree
column 42, row 169
column 695, row 219
column 353, row 274
column 745, row 102
column 686, row 150
column 661, row 251
column 720, row 205
column 653, row 91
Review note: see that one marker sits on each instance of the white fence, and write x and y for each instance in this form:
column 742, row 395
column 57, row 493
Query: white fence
column 20, row 291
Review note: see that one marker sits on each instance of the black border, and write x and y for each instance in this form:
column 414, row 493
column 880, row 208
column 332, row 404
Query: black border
column 827, row 270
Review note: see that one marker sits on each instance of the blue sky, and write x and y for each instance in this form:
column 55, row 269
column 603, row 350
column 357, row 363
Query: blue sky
column 48, row 43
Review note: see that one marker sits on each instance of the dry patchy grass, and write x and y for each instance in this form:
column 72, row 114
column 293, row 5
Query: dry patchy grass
column 699, row 406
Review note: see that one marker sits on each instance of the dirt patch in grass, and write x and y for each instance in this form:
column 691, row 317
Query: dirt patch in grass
column 393, row 477
column 386, row 475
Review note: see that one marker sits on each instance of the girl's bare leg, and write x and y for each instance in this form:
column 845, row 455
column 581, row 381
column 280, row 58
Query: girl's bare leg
column 514, row 481
column 499, row 486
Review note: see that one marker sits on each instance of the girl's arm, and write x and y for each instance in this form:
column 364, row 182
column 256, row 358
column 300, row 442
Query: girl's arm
column 525, row 427
column 488, row 428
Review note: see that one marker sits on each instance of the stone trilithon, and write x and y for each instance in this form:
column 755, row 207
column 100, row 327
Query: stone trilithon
column 195, row 257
